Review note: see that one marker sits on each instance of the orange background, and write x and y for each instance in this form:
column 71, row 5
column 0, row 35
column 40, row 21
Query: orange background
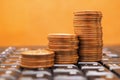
column 27, row 22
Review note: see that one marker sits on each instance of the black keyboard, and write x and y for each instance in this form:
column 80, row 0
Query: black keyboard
column 107, row 69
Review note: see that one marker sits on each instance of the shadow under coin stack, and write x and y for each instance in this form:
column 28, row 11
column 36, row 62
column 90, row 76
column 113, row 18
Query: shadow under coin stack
column 41, row 58
column 65, row 47
column 87, row 26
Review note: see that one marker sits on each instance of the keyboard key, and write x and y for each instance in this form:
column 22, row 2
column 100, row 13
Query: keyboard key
column 62, row 77
column 95, row 75
column 25, row 78
column 35, row 74
column 112, row 66
column 71, row 66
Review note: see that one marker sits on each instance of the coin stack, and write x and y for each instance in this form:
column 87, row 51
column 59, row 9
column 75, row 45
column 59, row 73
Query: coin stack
column 65, row 47
column 41, row 58
column 87, row 26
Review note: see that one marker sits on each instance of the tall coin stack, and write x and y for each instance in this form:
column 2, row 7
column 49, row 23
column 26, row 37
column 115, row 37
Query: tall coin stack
column 41, row 58
column 65, row 47
column 87, row 26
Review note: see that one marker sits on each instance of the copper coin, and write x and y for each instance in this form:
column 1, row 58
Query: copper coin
column 61, row 35
column 63, row 46
column 40, row 66
column 63, row 43
column 40, row 52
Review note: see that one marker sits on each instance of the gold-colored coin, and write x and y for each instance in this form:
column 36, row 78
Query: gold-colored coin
column 37, row 58
column 87, row 26
column 61, row 35
column 40, row 66
column 39, row 52
column 63, row 46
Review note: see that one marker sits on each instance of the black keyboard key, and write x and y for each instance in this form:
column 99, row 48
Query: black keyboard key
column 68, row 66
column 65, row 77
column 37, row 74
column 25, row 78
column 89, row 65
column 95, row 75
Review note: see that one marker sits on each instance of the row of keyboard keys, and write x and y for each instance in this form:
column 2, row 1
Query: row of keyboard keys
column 11, row 70
column 112, row 63
column 95, row 71
column 38, row 74
column 67, row 72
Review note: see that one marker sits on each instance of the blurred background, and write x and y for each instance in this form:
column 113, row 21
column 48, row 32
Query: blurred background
column 28, row 22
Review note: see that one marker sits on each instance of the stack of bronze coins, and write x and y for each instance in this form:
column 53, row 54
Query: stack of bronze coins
column 87, row 26
column 65, row 47
column 41, row 58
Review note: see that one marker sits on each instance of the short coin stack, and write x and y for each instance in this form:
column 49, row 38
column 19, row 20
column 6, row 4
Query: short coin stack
column 41, row 58
column 87, row 25
column 65, row 47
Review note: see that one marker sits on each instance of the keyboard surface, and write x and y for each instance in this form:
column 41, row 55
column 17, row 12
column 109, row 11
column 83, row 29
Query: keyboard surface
column 107, row 69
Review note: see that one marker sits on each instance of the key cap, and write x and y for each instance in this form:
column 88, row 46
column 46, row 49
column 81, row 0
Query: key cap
column 112, row 66
column 95, row 75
